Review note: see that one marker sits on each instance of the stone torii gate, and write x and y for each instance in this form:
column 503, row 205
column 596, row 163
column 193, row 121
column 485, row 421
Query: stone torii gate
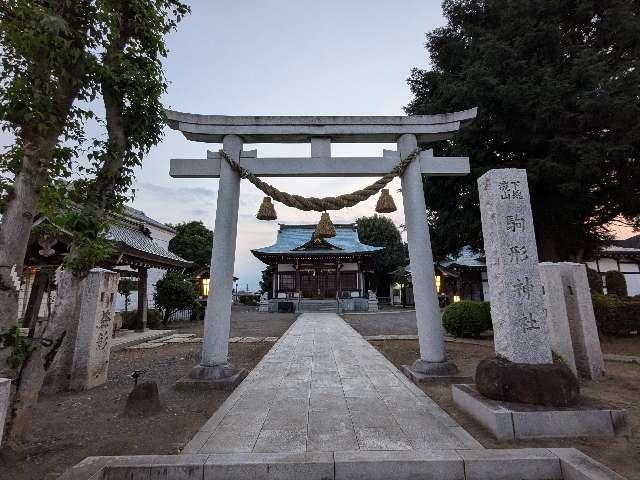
column 320, row 131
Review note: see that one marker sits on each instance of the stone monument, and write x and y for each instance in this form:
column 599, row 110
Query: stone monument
column 263, row 306
column 572, row 324
column 523, row 370
column 556, row 313
column 372, row 302
column 92, row 346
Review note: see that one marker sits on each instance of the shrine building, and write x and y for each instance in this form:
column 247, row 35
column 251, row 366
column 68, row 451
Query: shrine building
column 308, row 267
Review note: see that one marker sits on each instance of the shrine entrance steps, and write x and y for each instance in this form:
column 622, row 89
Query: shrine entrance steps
column 318, row 306
column 323, row 404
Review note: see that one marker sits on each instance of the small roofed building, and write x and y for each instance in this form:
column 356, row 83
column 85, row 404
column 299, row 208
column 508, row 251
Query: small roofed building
column 309, row 268
column 622, row 256
column 140, row 251
column 461, row 277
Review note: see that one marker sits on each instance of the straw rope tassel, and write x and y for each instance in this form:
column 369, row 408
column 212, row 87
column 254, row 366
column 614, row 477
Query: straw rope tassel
column 385, row 202
column 325, row 228
column 266, row 210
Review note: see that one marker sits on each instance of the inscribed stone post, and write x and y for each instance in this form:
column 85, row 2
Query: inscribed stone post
column 582, row 321
column 554, row 288
column 95, row 328
column 517, row 307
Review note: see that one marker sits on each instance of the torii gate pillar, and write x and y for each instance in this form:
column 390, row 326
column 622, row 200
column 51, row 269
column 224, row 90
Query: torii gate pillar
column 432, row 359
column 214, row 365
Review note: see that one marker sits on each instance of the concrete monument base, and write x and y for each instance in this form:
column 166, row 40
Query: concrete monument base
column 427, row 372
column 212, row 377
column 518, row 421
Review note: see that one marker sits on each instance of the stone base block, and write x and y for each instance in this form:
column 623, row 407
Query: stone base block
column 219, row 377
column 516, row 421
column 513, row 464
column 429, row 372
column 547, row 384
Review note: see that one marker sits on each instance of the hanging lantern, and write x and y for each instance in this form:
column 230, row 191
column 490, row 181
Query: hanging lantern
column 266, row 210
column 325, row 228
column 385, row 202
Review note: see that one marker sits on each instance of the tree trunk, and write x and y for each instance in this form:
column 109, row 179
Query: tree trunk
column 14, row 235
column 34, row 369
column 31, row 313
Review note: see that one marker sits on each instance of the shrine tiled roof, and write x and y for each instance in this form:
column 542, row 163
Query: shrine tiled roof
column 132, row 239
column 296, row 240
column 466, row 259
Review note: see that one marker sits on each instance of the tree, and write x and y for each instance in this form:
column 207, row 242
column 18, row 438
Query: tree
column 47, row 68
column 381, row 232
column 557, row 85
column 131, row 80
column 174, row 292
column 266, row 282
column 193, row 241
column 125, row 287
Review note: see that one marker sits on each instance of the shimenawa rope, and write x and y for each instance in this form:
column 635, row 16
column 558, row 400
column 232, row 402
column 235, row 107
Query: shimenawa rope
column 326, row 203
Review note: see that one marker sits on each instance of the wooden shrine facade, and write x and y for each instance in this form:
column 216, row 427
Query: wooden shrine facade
column 318, row 268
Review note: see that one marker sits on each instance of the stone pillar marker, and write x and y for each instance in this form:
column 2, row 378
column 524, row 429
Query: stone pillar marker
column 554, row 289
column 572, row 325
column 432, row 359
column 215, row 347
column 517, row 306
column 92, row 348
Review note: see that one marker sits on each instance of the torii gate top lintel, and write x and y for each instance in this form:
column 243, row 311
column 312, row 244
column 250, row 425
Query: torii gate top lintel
column 300, row 129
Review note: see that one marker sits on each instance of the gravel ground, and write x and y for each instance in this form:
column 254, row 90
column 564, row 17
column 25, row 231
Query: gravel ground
column 68, row 427
column 393, row 323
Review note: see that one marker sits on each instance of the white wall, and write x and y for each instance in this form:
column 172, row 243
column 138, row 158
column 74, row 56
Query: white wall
column 632, row 276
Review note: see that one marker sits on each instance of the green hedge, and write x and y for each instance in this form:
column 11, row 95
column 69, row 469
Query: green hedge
column 616, row 283
column 467, row 318
column 250, row 300
column 595, row 280
column 616, row 315
column 154, row 318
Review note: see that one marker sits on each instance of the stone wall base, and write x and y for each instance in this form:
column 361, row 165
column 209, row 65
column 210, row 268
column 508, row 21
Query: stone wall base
column 513, row 421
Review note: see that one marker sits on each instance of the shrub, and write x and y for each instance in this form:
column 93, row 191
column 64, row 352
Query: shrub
column 595, row 280
column 466, row 318
column 154, row 317
column 250, row 300
column 174, row 292
column 616, row 284
column 615, row 315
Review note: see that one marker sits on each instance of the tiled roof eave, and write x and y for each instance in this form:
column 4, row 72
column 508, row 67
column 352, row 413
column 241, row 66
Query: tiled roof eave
column 150, row 258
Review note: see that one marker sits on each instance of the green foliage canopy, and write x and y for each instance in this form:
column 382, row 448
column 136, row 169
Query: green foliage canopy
column 193, row 242
column 557, row 85
column 381, row 232
column 174, row 292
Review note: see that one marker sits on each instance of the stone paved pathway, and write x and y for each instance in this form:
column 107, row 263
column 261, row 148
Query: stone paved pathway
column 324, row 388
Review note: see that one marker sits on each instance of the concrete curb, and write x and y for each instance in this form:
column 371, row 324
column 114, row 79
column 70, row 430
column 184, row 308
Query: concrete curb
column 508, row 464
